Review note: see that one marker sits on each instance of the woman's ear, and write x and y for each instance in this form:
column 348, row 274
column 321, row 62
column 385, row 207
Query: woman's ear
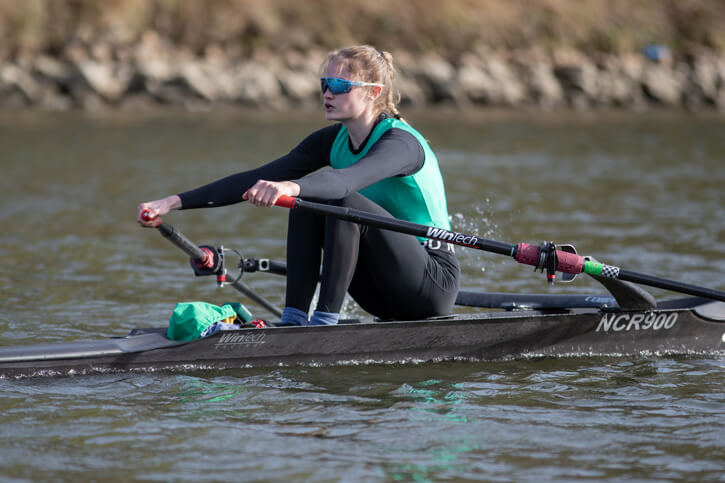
column 375, row 92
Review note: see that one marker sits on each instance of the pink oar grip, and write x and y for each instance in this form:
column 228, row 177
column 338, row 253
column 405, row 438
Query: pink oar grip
column 566, row 262
column 569, row 262
column 527, row 254
column 286, row 201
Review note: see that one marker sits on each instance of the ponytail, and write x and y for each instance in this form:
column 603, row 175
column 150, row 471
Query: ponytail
column 392, row 96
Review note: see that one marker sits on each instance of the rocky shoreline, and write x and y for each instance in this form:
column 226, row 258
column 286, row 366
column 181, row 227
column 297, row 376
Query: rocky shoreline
column 153, row 72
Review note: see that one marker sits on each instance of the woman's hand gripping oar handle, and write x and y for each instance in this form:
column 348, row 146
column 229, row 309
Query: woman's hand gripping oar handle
column 545, row 257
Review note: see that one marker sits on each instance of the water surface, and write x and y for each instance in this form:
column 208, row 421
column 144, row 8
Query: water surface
column 640, row 191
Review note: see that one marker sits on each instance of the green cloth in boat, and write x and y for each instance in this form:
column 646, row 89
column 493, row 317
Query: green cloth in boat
column 190, row 319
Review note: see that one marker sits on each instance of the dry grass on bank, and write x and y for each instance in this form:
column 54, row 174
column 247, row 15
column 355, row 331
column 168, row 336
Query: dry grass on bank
column 449, row 27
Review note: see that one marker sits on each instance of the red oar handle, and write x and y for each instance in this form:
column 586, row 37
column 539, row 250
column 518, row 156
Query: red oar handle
column 146, row 216
column 566, row 262
column 286, row 201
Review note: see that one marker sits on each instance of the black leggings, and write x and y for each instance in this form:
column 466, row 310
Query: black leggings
column 390, row 275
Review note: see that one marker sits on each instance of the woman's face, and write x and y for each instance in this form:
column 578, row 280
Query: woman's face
column 345, row 107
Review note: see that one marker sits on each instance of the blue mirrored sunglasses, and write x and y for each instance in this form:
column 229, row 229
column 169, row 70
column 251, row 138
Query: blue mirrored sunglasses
column 341, row 86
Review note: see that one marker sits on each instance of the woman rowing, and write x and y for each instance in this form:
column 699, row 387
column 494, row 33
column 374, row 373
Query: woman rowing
column 380, row 165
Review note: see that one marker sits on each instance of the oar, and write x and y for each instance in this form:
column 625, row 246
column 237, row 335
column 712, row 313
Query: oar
column 544, row 257
column 206, row 261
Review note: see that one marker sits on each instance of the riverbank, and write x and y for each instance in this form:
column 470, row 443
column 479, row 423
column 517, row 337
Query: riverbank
column 156, row 74
column 465, row 54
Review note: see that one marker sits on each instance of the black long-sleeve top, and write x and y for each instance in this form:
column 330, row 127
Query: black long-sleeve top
column 396, row 153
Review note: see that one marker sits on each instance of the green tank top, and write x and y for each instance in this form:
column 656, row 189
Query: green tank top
column 418, row 198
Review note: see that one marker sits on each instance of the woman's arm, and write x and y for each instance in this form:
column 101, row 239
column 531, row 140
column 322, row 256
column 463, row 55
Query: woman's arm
column 396, row 153
column 310, row 155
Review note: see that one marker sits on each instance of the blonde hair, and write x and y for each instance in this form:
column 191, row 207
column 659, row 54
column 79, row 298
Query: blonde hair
column 365, row 63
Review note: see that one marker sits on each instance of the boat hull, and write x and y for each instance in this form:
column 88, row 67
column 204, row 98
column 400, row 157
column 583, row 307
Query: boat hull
column 478, row 337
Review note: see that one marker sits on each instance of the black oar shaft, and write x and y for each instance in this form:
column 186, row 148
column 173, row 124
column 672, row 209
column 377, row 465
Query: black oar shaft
column 178, row 239
column 675, row 286
column 244, row 289
column 402, row 226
